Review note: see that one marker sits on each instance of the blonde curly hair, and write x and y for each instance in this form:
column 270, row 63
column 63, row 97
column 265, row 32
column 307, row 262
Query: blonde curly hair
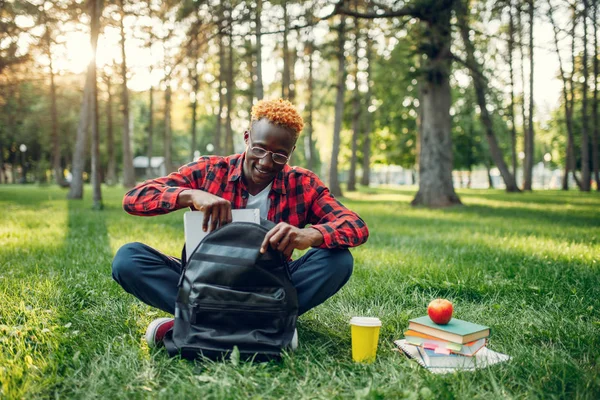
column 280, row 112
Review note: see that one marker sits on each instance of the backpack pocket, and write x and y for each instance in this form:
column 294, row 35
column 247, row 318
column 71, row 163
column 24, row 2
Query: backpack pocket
column 217, row 327
column 249, row 298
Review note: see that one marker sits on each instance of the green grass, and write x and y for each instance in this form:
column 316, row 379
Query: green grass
column 525, row 264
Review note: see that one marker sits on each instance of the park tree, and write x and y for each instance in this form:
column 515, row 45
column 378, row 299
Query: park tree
column 51, row 14
column 585, row 151
column 194, row 51
column 595, row 134
column 309, row 56
column 395, row 105
column 11, row 31
column 568, row 111
column 229, row 80
column 88, row 112
column 258, row 84
column 151, row 39
column 522, row 52
column 368, row 119
column 95, row 13
column 571, row 156
column 528, row 142
column 128, row 171
column 334, row 183
column 356, row 109
column 220, row 25
column 286, row 73
column 480, row 85
column 401, row 109
column 435, row 159
column 512, row 116
column 111, row 170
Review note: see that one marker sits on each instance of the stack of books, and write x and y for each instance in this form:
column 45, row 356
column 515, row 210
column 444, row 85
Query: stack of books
column 451, row 346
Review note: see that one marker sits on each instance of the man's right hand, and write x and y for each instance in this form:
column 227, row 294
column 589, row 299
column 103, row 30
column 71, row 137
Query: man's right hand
column 216, row 210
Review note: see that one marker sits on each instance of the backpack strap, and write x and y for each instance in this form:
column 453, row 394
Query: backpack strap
column 183, row 256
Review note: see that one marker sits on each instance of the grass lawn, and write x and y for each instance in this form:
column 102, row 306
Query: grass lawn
column 528, row 265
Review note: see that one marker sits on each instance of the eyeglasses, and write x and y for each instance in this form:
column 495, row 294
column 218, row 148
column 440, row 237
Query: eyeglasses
column 259, row 152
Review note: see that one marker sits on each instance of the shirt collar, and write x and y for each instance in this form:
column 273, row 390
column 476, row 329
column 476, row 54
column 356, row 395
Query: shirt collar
column 237, row 162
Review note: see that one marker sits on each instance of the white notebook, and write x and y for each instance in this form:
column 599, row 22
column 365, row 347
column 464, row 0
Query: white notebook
column 192, row 224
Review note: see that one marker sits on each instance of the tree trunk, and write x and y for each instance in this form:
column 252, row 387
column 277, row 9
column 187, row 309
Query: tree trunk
column 3, row 177
column 150, row 126
column 13, row 168
column 513, row 130
column 259, row 80
column 128, row 171
column 435, row 161
column 230, row 89
column 356, row 114
column 96, row 11
column 194, row 106
column 366, row 167
column 595, row 159
column 150, row 132
column 568, row 163
column 78, row 165
column 489, row 174
column 573, row 165
column 522, row 73
column 285, row 81
column 167, row 138
column 56, row 165
column 111, row 174
column 528, row 145
column 308, row 135
column 222, row 73
column 334, row 184
column 480, row 87
column 568, row 111
column 293, row 85
column 585, row 150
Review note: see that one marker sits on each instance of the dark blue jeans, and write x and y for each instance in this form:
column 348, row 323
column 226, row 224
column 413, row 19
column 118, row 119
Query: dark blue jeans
column 152, row 276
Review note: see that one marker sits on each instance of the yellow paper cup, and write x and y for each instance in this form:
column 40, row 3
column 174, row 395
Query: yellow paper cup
column 365, row 336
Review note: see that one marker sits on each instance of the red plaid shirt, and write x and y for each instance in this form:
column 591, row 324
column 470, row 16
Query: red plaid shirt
column 297, row 197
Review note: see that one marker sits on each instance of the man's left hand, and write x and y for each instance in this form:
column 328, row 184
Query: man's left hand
column 285, row 238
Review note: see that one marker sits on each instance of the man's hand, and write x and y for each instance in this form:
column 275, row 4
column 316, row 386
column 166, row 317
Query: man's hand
column 215, row 209
column 285, row 238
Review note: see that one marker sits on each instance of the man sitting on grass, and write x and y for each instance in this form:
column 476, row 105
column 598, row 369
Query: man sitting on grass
column 291, row 197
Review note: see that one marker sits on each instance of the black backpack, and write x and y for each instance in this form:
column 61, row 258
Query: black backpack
column 232, row 295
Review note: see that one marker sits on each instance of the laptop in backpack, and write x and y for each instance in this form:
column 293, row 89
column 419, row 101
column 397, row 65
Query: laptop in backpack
column 230, row 295
column 192, row 224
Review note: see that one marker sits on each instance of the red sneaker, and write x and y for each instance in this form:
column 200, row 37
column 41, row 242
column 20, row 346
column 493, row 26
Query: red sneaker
column 156, row 331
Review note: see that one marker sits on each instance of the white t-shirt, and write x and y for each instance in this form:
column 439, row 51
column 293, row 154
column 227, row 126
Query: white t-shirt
column 260, row 201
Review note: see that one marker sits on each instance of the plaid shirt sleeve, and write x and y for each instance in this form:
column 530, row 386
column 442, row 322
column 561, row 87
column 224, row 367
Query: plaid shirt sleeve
column 340, row 227
column 159, row 196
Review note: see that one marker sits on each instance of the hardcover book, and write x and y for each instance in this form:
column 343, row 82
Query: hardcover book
column 457, row 330
column 434, row 343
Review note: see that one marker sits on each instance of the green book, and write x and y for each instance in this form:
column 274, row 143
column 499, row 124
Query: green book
column 457, row 330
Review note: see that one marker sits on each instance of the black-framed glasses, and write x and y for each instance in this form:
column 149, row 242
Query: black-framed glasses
column 259, row 152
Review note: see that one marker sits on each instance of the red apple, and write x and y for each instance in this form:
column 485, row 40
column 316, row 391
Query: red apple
column 440, row 311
